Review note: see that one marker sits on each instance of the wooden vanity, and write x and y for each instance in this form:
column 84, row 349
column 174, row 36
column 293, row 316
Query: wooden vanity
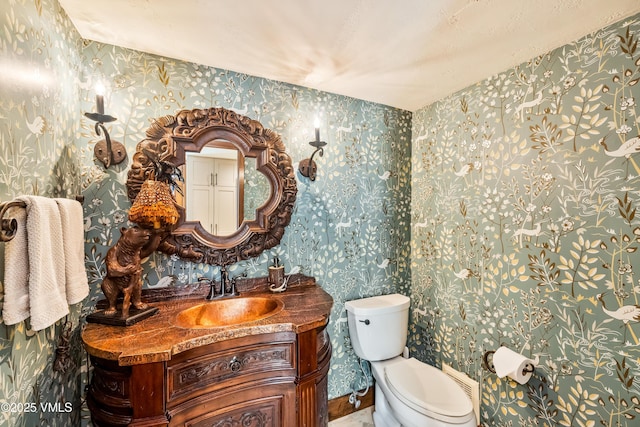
column 268, row 372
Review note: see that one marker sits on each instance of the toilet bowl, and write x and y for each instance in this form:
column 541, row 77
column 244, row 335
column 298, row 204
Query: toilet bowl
column 409, row 393
column 417, row 394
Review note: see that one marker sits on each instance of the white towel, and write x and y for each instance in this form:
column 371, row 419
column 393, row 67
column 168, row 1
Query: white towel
column 15, row 307
column 72, row 219
column 47, row 299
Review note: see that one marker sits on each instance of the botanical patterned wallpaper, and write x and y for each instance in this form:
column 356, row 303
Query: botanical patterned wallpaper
column 525, row 233
column 511, row 217
column 350, row 228
column 39, row 154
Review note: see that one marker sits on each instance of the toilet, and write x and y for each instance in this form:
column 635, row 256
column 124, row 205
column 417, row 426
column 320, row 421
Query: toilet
column 408, row 392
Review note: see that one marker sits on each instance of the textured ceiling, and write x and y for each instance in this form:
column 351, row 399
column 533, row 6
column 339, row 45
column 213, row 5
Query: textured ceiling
column 402, row 53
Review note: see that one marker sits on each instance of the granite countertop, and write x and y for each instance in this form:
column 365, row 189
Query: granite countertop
column 306, row 306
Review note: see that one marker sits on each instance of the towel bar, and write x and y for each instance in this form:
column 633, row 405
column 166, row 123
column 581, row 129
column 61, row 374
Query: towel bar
column 8, row 226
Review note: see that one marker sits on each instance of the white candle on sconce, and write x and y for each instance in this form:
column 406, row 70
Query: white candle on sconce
column 316, row 124
column 100, row 98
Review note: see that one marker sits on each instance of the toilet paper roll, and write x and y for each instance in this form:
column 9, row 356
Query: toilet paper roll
column 509, row 363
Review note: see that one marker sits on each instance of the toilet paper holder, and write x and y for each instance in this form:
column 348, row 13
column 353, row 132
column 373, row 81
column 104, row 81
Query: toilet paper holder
column 488, row 364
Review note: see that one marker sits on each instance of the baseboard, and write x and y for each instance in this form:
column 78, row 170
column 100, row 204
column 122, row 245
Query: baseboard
column 340, row 406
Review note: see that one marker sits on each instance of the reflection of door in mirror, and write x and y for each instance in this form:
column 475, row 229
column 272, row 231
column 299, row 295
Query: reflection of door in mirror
column 212, row 190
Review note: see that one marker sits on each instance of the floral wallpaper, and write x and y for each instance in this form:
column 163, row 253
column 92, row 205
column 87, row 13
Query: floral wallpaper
column 507, row 210
column 525, row 233
column 256, row 190
column 39, row 154
column 350, row 228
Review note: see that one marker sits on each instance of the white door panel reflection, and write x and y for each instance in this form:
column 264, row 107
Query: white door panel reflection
column 212, row 190
column 222, row 189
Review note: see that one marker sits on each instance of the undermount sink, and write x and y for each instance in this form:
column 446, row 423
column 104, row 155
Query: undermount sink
column 227, row 312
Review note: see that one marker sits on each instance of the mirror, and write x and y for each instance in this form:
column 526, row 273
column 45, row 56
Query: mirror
column 259, row 192
column 256, row 189
column 221, row 188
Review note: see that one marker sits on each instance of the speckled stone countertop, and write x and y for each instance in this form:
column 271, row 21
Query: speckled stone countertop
column 306, row 306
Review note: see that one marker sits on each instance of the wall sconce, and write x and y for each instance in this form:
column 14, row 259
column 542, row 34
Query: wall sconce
column 107, row 151
column 308, row 167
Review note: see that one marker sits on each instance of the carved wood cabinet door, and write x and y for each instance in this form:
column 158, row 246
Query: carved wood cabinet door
column 257, row 406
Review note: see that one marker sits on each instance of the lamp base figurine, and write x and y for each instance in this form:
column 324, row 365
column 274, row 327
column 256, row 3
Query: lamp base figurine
column 124, row 277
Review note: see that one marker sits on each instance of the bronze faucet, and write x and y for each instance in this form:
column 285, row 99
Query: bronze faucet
column 225, row 284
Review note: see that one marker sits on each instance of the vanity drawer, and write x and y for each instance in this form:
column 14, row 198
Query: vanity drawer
column 224, row 368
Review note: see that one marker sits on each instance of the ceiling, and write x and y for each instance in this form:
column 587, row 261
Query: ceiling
column 402, row 53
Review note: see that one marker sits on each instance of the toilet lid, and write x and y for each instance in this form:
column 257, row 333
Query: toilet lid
column 427, row 389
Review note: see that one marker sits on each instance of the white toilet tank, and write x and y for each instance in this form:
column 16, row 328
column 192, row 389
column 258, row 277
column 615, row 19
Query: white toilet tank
column 378, row 326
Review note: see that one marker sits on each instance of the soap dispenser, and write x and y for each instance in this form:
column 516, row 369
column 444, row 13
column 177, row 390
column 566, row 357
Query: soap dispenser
column 276, row 276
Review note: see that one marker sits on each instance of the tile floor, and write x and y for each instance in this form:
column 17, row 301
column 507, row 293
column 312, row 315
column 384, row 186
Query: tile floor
column 363, row 418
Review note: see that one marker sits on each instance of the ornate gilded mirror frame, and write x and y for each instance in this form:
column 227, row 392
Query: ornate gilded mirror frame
column 170, row 137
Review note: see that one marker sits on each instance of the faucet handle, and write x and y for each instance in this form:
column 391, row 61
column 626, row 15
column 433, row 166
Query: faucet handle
column 212, row 286
column 234, row 292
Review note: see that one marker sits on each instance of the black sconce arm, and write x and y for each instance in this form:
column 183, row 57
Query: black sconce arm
column 318, row 150
column 107, row 151
column 308, row 167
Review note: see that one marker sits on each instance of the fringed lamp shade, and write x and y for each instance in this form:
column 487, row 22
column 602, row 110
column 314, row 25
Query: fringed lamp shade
column 154, row 206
